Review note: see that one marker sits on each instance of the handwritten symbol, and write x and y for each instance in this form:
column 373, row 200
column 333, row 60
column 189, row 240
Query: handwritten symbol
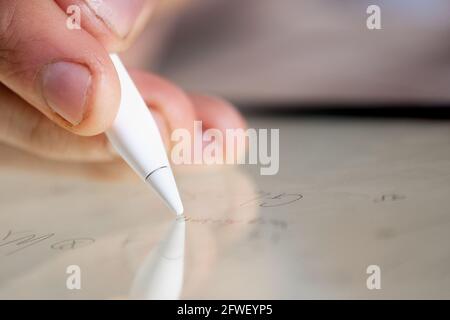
column 390, row 197
column 267, row 200
column 22, row 242
column 71, row 244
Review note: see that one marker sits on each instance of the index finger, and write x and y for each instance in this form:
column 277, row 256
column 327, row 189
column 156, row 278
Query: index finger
column 114, row 23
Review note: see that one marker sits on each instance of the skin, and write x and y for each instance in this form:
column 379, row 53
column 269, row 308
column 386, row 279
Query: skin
column 33, row 36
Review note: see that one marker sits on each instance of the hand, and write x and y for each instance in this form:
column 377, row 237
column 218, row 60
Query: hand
column 59, row 89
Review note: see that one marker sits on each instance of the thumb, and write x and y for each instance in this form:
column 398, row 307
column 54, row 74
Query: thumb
column 66, row 74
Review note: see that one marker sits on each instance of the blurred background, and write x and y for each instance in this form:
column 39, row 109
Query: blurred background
column 298, row 53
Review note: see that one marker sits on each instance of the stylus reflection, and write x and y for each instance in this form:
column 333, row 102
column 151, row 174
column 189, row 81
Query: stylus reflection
column 161, row 274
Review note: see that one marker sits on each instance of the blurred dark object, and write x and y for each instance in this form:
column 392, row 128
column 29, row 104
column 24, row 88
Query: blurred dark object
column 350, row 110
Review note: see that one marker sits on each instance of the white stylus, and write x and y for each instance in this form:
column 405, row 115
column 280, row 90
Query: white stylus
column 135, row 136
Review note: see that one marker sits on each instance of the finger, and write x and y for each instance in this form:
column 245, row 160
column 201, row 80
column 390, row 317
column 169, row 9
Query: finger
column 66, row 74
column 169, row 100
column 115, row 23
column 217, row 113
column 24, row 127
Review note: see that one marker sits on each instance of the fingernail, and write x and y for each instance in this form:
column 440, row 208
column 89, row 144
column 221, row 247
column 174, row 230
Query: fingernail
column 65, row 87
column 119, row 15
